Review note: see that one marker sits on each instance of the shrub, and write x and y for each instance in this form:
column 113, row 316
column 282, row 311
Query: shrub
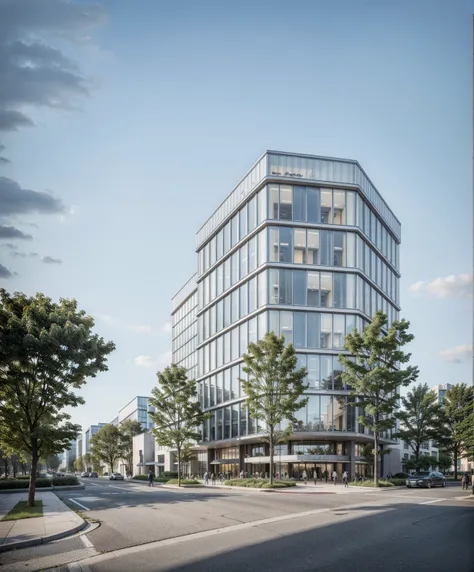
column 161, row 479
column 259, row 483
column 400, row 476
column 169, row 474
column 23, row 477
column 397, row 482
column 140, row 477
column 8, row 484
column 106, row 474
column 382, row 483
column 65, row 481
column 184, row 482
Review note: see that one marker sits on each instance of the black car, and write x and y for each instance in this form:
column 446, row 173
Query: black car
column 426, row 479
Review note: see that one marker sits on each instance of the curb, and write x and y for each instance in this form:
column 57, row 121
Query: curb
column 377, row 488
column 50, row 489
column 68, row 488
column 43, row 539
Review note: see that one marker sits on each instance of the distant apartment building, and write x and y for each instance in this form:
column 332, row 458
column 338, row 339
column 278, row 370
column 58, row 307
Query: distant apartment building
column 441, row 390
column 70, row 454
column 137, row 409
column 93, row 429
column 79, row 446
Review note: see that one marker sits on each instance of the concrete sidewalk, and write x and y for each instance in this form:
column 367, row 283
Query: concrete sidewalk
column 57, row 521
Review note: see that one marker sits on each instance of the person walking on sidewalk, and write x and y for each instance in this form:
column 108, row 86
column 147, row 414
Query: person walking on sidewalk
column 151, row 476
column 465, row 482
column 305, row 477
column 345, row 478
column 206, row 478
column 334, row 476
column 213, row 478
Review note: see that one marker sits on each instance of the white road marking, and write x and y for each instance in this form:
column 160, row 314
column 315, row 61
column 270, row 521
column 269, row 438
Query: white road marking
column 119, row 488
column 87, row 543
column 432, row 501
column 79, row 504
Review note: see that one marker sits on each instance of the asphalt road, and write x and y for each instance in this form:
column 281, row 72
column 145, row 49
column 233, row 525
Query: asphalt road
column 209, row 529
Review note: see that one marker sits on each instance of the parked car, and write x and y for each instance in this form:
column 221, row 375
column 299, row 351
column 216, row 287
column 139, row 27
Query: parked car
column 93, row 475
column 115, row 477
column 84, row 474
column 428, row 480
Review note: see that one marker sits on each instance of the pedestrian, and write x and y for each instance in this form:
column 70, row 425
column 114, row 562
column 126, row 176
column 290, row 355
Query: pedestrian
column 345, row 478
column 326, row 475
column 305, row 477
column 472, row 482
column 241, row 474
column 334, row 476
column 206, row 478
column 465, row 482
column 213, row 478
column 315, row 477
column 151, row 476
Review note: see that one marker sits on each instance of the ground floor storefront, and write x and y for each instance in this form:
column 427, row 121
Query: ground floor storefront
column 318, row 459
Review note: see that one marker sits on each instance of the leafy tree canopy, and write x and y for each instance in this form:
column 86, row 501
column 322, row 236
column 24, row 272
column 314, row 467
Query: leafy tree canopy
column 47, row 351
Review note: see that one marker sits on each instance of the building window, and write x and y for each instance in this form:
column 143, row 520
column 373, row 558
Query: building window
column 299, row 252
column 326, row 206
column 286, row 202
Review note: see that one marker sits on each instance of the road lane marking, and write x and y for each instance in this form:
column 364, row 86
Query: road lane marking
column 79, row 504
column 87, row 543
column 432, row 501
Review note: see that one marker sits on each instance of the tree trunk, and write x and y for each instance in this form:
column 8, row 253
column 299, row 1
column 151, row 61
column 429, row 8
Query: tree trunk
column 455, row 460
column 179, row 466
column 34, row 467
column 272, row 452
column 376, row 459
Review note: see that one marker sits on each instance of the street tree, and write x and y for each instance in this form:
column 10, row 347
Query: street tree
column 178, row 414
column 48, row 351
column 52, row 462
column 79, row 465
column 374, row 372
column 421, row 420
column 423, row 463
column 128, row 430
column 274, row 388
column 87, row 460
column 445, row 461
column 188, row 454
column 106, row 446
column 458, row 440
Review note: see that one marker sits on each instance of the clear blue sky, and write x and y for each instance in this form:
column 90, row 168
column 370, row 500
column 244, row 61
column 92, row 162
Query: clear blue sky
column 183, row 96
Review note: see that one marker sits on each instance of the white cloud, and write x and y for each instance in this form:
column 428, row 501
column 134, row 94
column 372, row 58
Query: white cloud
column 457, row 354
column 452, row 286
column 166, row 327
column 144, row 361
column 140, row 328
column 160, row 362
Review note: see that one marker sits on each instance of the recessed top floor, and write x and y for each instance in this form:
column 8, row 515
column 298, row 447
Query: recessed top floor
column 281, row 166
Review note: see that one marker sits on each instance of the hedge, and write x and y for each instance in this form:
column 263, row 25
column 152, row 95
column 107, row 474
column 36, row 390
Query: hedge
column 159, row 479
column 382, row 483
column 399, row 476
column 40, row 483
column 184, row 482
column 259, row 483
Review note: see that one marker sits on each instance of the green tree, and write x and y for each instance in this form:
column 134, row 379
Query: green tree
column 79, row 465
column 47, row 352
column 87, row 460
column 274, row 388
column 445, row 461
column 421, row 420
column 377, row 373
column 178, row 414
column 458, row 423
column 187, row 455
column 106, row 446
column 52, row 462
column 128, row 430
column 423, row 463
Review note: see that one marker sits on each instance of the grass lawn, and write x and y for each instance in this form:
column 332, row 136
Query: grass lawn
column 20, row 511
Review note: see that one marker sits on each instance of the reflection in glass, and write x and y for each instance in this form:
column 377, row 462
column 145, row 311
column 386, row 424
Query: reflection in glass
column 299, row 253
column 326, row 206
column 286, row 202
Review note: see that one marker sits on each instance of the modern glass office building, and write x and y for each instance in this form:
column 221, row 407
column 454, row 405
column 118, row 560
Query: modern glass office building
column 307, row 247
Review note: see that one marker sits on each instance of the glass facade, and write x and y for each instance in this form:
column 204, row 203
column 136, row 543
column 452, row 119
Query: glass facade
column 309, row 251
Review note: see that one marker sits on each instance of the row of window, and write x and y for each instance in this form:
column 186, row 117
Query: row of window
column 330, row 248
column 183, row 312
column 293, row 288
column 330, row 206
column 186, row 352
column 183, row 338
column 298, row 246
column 323, row 413
column 301, row 204
column 326, row 290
